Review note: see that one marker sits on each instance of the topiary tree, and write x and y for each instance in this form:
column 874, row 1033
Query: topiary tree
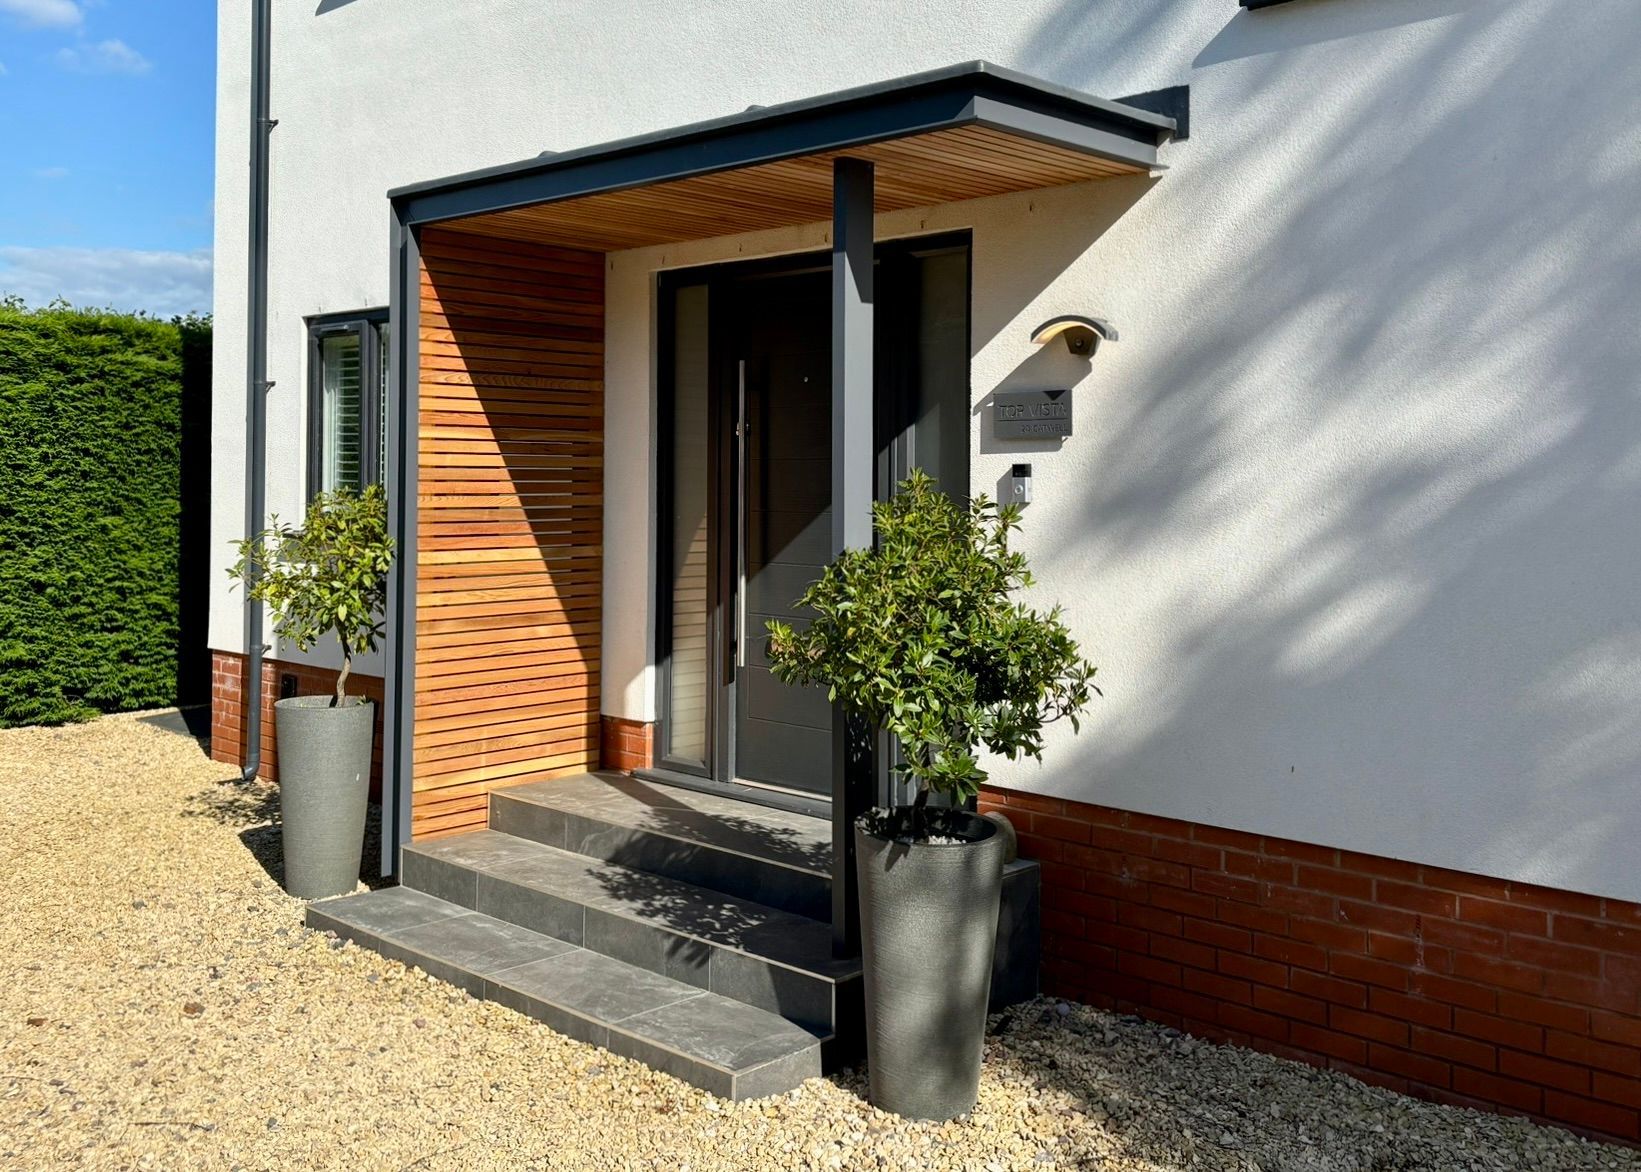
column 328, row 576
column 921, row 637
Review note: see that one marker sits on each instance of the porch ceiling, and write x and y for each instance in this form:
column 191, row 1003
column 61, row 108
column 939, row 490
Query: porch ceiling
column 955, row 134
column 917, row 171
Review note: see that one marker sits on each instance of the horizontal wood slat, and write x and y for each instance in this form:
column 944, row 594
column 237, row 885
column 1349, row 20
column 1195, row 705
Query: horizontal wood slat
column 488, row 705
column 481, row 779
column 505, row 754
column 510, row 526
column 501, row 586
column 448, row 653
column 463, row 728
column 462, row 738
column 494, row 748
column 438, row 381
column 496, row 607
column 493, row 665
column 442, row 623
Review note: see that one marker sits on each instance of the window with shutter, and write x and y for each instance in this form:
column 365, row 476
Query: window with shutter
column 347, row 402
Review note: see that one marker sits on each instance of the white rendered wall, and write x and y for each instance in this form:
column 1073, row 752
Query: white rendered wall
column 1352, row 518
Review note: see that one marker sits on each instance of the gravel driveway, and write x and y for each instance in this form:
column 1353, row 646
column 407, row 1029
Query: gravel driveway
column 161, row 1006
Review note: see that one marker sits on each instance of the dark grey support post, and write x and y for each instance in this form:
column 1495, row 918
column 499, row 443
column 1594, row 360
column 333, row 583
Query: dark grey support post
column 398, row 715
column 852, row 493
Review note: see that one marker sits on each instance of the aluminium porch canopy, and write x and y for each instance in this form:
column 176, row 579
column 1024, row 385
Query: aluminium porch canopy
column 960, row 133
column 952, row 134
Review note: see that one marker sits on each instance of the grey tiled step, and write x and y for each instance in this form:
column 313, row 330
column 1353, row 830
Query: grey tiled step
column 724, row 1046
column 772, row 857
column 748, row 952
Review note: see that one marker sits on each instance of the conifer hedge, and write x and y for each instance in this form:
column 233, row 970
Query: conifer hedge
column 90, row 453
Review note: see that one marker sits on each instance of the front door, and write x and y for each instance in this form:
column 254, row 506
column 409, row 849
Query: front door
column 782, row 347
column 746, row 487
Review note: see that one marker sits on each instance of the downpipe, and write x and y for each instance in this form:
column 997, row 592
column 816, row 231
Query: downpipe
column 257, row 385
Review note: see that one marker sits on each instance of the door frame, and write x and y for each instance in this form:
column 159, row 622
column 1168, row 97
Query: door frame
column 888, row 467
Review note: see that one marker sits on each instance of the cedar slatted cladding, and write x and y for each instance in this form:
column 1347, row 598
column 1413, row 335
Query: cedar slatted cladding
column 510, row 521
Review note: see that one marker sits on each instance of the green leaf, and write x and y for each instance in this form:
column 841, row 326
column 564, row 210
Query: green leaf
column 946, row 660
column 328, row 576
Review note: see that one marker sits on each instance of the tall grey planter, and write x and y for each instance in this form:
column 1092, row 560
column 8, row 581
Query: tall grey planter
column 928, row 921
column 324, row 782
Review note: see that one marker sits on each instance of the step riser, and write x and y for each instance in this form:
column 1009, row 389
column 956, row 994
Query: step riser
column 742, row 876
column 434, row 966
column 813, row 1002
column 493, row 983
column 774, row 1078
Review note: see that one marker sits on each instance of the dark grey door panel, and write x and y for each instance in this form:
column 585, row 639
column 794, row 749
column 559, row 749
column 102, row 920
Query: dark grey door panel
column 783, row 734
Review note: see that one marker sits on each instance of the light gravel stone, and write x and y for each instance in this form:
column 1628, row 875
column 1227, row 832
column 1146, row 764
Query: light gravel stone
column 162, row 1006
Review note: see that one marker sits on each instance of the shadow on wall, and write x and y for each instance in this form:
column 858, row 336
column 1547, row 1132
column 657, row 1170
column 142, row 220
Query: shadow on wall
column 1364, row 525
column 1317, row 23
column 1122, row 46
column 1035, row 261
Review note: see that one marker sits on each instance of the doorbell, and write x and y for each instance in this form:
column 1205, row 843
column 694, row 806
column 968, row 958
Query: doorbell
column 1020, row 484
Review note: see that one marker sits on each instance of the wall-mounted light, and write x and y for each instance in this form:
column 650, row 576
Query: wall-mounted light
column 1082, row 335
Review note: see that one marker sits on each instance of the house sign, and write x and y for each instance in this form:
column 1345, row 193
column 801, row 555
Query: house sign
column 1031, row 414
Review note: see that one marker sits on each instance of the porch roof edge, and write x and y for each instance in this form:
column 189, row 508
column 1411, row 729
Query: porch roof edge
column 971, row 92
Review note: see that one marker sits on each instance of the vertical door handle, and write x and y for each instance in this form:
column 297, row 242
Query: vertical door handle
column 741, row 515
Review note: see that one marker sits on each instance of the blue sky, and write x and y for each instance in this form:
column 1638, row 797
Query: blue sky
column 106, row 140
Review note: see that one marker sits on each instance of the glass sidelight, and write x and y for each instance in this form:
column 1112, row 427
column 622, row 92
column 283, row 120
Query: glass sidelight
column 689, row 451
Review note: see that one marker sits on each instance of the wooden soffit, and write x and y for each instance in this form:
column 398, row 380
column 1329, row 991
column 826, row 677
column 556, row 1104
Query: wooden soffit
column 955, row 134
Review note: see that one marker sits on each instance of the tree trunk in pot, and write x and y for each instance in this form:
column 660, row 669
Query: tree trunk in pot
column 324, row 784
column 928, row 915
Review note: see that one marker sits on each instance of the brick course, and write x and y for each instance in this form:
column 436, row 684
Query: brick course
column 626, row 744
column 1455, row 987
column 228, row 709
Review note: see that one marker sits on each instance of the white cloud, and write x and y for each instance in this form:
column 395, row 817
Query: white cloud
column 103, row 57
column 44, row 13
column 2, row 69
column 161, row 283
column 51, row 173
